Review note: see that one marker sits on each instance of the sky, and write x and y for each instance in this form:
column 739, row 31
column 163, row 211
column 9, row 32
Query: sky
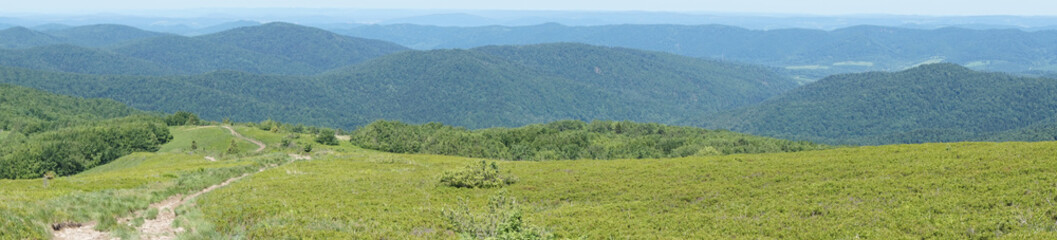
column 809, row 7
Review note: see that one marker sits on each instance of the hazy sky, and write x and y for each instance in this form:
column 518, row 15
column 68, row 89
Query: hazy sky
column 822, row 7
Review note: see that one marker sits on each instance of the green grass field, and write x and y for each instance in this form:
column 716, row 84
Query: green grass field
column 959, row 190
column 211, row 140
column 28, row 208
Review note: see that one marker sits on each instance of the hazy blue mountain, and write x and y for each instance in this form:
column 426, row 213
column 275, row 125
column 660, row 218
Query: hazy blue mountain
column 50, row 27
column 68, row 58
column 101, row 34
column 21, row 37
column 813, row 53
column 930, row 103
column 195, row 56
column 316, row 47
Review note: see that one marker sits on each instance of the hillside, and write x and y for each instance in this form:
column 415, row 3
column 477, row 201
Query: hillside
column 100, row 35
column 487, row 87
column 20, row 37
column 931, row 103
column 28, row 110
column 813, row 53
column 276, row 48
column 74, row 59
column 314, row 47
column 62, row 135
column 518, row 85
column 196, row 56
column 886, row 192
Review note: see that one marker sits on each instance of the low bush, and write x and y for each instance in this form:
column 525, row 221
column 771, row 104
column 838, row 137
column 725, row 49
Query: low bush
column 477, row 175
column 501, row 221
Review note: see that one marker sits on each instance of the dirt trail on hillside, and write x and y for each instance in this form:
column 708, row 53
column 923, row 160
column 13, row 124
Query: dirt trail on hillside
column 260, row 145
column 160, row 228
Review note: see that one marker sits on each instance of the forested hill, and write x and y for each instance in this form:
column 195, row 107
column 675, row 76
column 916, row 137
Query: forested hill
column 275, row 48
column 518, row 85
column 485, row 87
column 20, row 37
column 814, row 52
column 28, row 110
column 315, row 47
column 44, row 132
column 100, row 35
column 930, row 103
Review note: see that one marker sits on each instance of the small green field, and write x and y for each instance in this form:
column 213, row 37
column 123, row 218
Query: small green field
column 958, row 190
column 211, row 140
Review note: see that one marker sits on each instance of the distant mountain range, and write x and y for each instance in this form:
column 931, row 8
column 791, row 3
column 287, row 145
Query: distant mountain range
column 307, row 75
column 808, row 54
column 811, row 53
column 276, row 48
column 481, row 87
column 930, row 103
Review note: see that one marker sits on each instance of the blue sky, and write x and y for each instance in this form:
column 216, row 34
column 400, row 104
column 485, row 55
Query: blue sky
column 818, row 7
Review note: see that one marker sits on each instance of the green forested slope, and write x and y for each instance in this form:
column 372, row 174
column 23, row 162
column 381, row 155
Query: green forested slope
column 194, row 56
column 495, row 86
column 931, row 103
column 99, row 35
column 519, row 85
column 66, row 135
column 314, row 47
column 277, row 48
column 20, row 37
column 28, row 110
column 69, row 58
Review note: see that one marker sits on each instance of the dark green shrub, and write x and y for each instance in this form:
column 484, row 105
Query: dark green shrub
column 501, row 221
column 477, row 175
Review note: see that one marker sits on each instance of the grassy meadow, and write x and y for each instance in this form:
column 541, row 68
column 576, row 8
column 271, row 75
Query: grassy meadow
column 958, row 190
column 131, row 183
column 211, row 140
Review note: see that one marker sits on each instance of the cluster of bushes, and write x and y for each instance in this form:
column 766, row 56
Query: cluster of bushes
column 567, row 140
column 71, row 150
column 478, row 175
column 182, row 118
column 501, row 221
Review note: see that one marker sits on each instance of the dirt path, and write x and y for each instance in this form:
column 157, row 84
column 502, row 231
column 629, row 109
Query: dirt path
column 260, row 145
column 160, row 228
column 201, row 127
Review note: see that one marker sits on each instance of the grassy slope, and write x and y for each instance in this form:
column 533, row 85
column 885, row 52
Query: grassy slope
column 958, row 190
column 210, row 140
column 129, row 183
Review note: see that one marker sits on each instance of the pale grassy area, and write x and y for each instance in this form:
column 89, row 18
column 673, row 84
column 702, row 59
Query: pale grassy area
column 211, row 140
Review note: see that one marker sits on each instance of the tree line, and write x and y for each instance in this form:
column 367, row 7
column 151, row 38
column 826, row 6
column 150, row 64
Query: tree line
column 568, row 139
